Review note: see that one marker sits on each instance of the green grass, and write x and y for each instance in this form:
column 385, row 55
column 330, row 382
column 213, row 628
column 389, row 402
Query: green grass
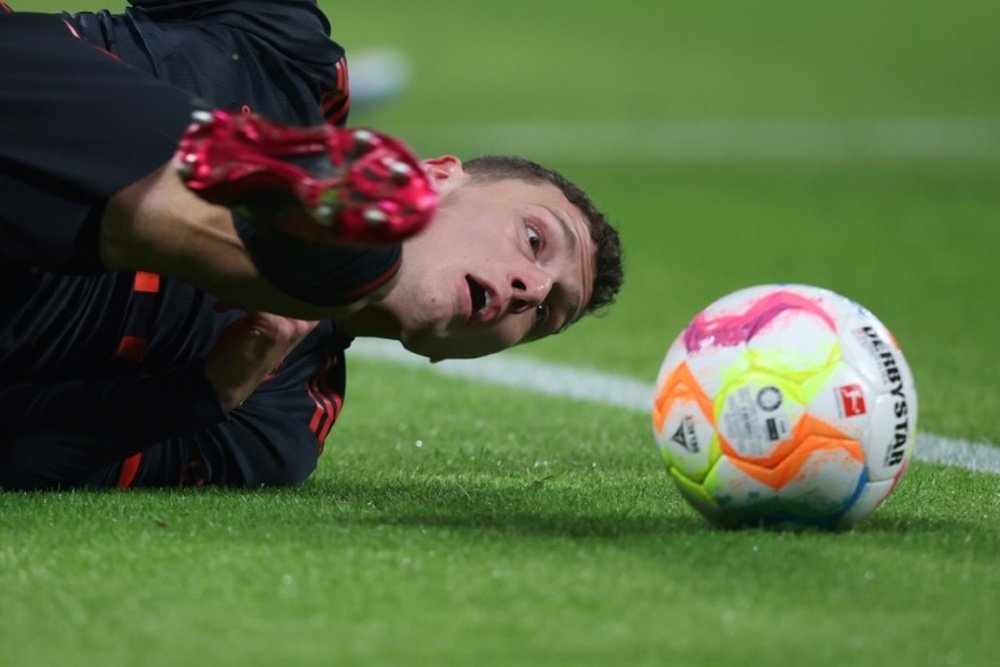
column 490, row 544
column 532, row 530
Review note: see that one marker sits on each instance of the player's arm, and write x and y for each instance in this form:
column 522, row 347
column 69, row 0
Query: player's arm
column 112, row 415
column 126, row 411
column 260, row 444
column 248, row 352
column 157, row 225
column 272, row 438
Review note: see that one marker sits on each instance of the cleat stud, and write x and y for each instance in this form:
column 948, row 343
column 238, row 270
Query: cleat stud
column 400, row 171
column 374, row 217
column 202, row 117
column 323, row 214
column 364, row 139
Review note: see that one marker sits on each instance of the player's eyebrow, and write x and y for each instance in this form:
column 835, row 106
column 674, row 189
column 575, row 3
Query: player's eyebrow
column 568, row 236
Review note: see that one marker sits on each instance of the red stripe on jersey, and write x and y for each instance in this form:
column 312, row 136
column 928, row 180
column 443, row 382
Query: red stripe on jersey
column 113, row 56
column 325, row 401
column 338, row 403
column 4, row 7
column 317, row 400
column 72, row 31
column 132, row 348
column 146, row 282
column 321, row 409
column 337, row 102
column 130, row 467
column 324, row 409
column 338, row 118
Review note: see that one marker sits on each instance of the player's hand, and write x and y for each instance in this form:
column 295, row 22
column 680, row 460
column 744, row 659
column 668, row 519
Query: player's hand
column 248, row 351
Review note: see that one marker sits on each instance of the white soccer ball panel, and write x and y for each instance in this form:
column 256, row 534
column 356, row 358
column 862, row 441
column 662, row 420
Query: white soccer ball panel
column 713, row 365
column 892, row 436
column 757, row 415
column 686, row 438
column 845, row 402
column 869, row 347
column 794, row 341
column 826, row 482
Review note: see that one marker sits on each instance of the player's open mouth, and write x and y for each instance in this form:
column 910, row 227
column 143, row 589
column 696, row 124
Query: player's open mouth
column 482, row 299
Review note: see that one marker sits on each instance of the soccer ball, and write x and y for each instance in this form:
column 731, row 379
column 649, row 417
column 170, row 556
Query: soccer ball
column 785, row 405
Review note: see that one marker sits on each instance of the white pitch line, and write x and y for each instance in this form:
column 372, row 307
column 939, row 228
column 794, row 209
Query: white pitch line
column 692, row 141
column 592, row 386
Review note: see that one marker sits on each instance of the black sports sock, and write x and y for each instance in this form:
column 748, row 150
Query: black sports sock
column 318, row 273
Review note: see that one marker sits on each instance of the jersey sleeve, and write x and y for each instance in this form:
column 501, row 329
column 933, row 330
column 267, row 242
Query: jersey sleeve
column 273, row 58
column 57, row 433
column 274, row 439
column 149, row 431
column 75, row 127
column 315, row 272
column 119, row 411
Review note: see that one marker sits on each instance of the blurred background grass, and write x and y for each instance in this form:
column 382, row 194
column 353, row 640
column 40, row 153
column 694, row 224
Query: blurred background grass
column 654, row 60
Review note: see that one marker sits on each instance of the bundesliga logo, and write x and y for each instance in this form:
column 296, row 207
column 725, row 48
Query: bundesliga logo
column 852, row 400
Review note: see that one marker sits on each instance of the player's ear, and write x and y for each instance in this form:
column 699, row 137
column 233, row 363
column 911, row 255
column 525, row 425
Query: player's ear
column 444, row 169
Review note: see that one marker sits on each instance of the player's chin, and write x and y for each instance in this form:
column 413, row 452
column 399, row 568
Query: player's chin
column 457, row 347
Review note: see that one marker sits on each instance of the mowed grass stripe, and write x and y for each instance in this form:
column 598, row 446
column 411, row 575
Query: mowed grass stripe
column 684, row 141
column 630, row 393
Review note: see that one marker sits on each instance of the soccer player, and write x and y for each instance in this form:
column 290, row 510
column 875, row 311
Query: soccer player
column 133, row 379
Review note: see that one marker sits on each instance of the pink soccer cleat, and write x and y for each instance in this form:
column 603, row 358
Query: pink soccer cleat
column 326, row 184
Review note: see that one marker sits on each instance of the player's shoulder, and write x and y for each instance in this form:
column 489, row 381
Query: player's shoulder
column 295, row 19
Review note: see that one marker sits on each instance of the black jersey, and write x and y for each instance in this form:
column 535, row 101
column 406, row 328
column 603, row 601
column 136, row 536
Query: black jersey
column 83, row 114
column 273, row 58
column 102, row 383
column 101, row 376
column 76, row 126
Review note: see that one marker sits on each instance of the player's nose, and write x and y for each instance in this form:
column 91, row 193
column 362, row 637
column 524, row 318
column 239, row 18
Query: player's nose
column 529, row 287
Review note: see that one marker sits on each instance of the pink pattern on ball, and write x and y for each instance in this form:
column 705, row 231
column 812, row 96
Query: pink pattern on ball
column 730, row 330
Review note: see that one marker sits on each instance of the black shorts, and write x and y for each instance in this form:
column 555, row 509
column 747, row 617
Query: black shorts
column 76, row 126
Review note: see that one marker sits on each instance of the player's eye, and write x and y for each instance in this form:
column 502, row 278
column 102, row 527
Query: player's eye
column 534, row 239
column 541, row 313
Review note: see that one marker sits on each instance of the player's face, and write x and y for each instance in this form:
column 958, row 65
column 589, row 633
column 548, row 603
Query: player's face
column 501, row 263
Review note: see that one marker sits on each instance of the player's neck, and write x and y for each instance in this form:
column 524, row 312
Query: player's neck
column 372, row 321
